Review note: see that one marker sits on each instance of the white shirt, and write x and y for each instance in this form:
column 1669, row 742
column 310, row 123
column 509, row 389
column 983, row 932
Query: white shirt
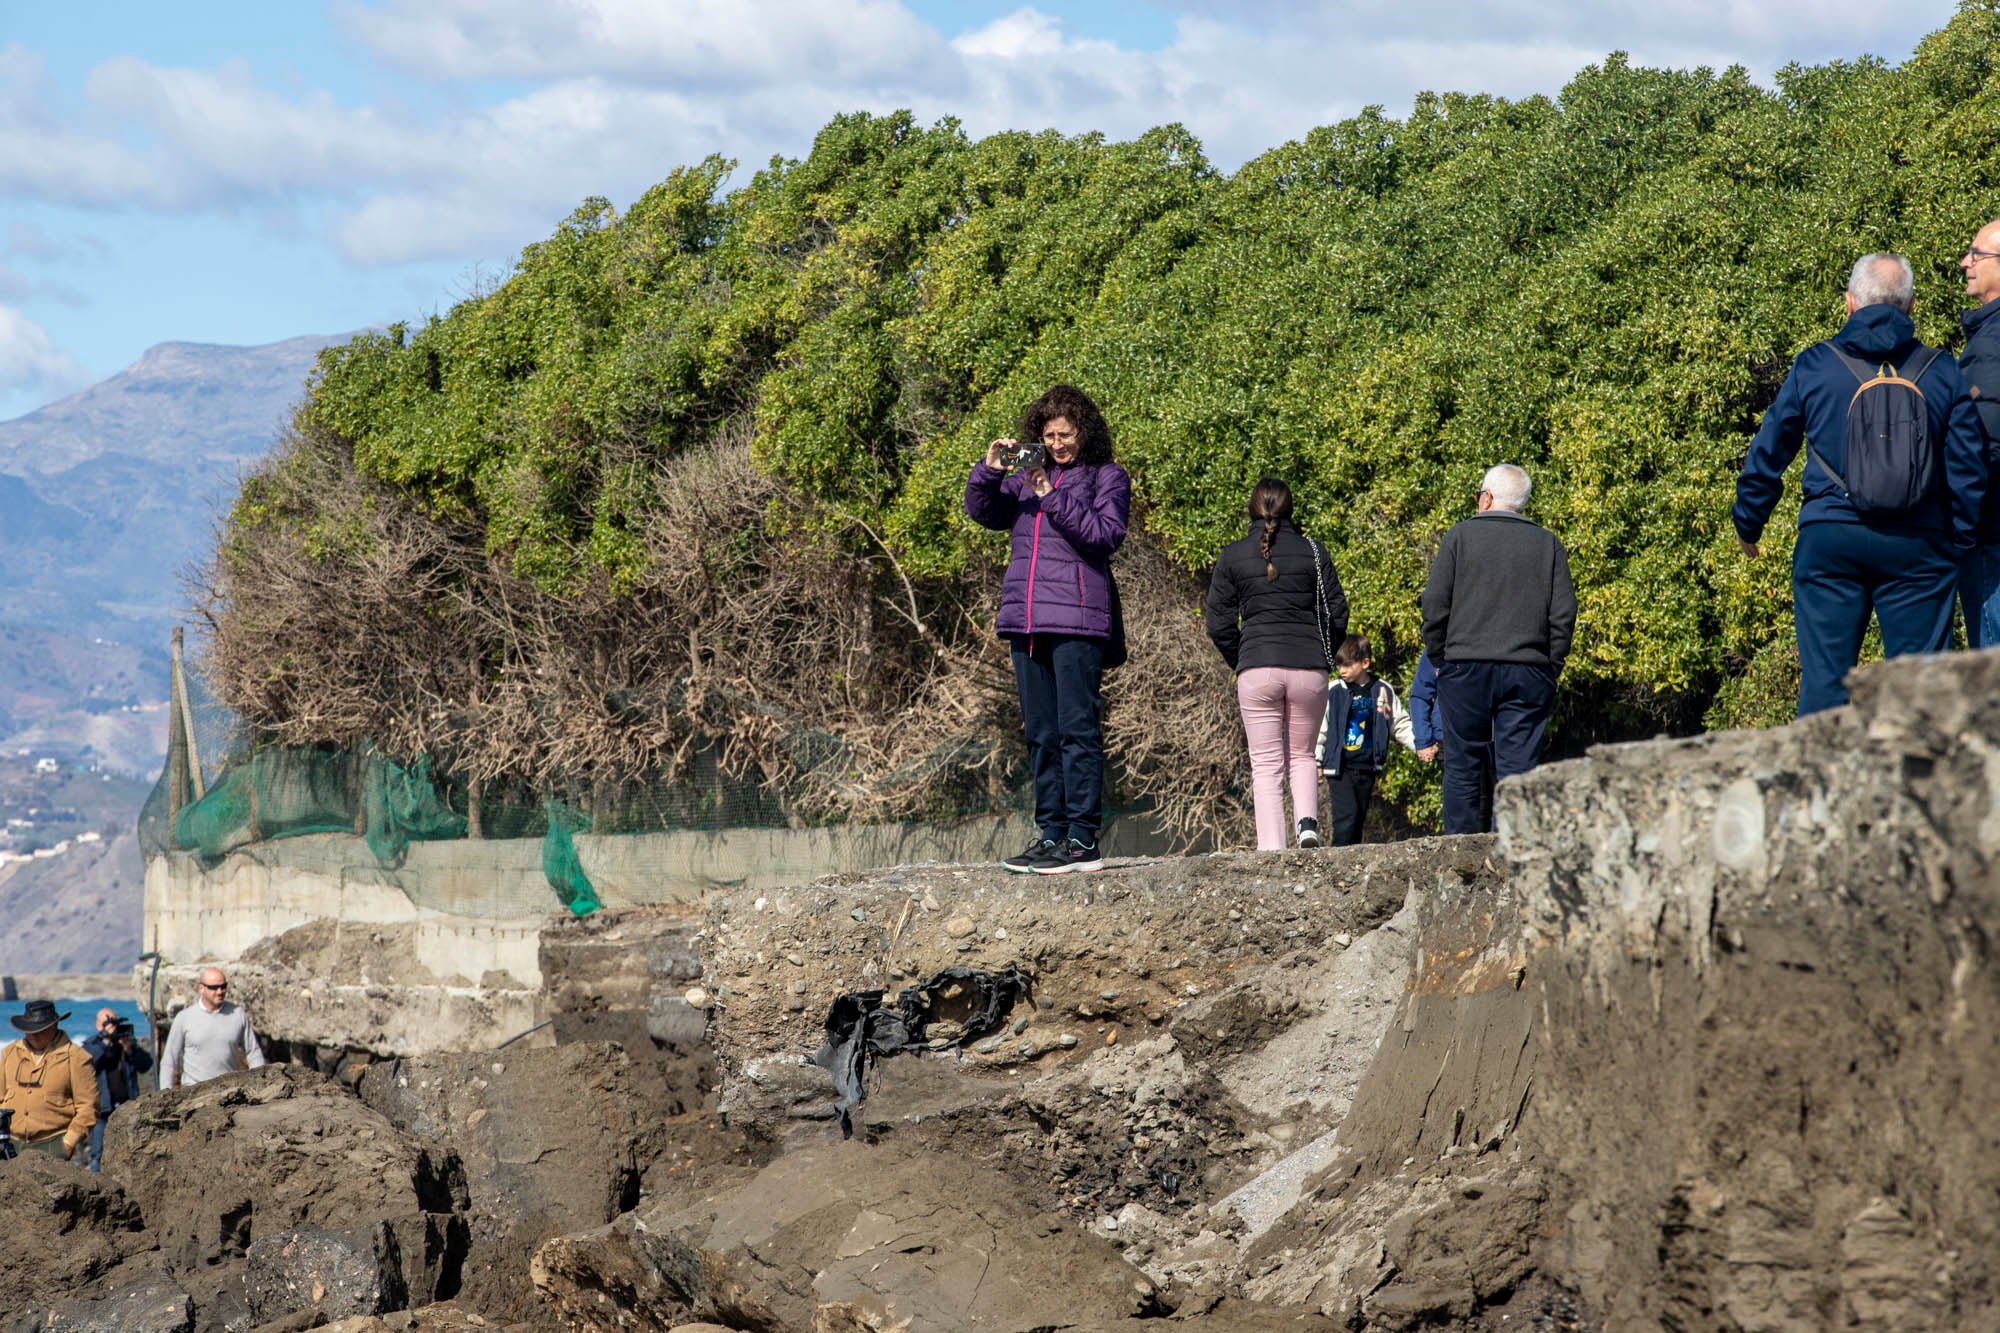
column 203, row 1045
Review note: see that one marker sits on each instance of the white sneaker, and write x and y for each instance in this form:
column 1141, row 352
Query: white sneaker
column 1308, row 833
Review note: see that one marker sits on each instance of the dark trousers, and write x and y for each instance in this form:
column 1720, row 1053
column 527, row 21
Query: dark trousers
column 1843, row 571
column 1060, row 684
column 1979, row 596
column 1348, row 793
column 1494, row 715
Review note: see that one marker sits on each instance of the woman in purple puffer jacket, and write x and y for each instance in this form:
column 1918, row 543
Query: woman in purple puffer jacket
column 1067, row 517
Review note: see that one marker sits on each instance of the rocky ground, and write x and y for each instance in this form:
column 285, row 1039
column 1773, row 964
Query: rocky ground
column 1699, row 1042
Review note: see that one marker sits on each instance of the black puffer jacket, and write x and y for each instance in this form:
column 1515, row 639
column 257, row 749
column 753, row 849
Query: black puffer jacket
column 1261, row 622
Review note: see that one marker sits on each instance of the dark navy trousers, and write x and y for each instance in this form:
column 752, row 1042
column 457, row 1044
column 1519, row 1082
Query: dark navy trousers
column 1843, row 571
column 1494, row 715
column 1060, row 683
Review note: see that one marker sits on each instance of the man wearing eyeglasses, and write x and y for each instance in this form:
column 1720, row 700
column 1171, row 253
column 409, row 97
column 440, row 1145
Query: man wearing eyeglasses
column 1979, row 578
column 211, row 1037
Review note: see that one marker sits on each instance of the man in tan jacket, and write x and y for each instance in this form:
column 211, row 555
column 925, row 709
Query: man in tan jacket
column 48, row 1082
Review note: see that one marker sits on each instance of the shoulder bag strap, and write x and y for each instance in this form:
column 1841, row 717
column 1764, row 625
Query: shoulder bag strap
column 1319, row 600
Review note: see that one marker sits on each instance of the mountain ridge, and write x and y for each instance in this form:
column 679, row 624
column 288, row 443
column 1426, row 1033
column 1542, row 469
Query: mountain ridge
column 179, row 402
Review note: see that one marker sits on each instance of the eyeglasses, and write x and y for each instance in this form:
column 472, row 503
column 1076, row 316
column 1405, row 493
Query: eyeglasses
column 1976, row 255
column 220, row 985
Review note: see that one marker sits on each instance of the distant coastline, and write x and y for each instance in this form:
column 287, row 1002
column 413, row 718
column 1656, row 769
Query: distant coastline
column 65, row 985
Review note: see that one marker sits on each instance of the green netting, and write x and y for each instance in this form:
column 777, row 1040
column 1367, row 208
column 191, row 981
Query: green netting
column 276, row 794
column 224, row 790
column 402, row 805
column 560, row 864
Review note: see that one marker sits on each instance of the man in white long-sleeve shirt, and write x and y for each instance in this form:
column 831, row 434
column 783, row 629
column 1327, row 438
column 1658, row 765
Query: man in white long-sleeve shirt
column 211, row 1038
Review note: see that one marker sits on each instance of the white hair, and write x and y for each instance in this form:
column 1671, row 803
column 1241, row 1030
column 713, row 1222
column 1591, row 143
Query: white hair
column 1508, row 485
column 1882, row 279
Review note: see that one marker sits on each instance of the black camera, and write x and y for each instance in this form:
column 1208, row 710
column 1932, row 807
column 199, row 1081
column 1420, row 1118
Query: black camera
column 1025, row 454
column 121, row 1029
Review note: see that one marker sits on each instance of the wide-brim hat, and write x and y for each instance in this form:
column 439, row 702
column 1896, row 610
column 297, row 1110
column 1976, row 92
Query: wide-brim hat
column 38, row 1016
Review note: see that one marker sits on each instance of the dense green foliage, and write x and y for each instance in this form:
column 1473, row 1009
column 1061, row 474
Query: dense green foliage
column 1605, row 288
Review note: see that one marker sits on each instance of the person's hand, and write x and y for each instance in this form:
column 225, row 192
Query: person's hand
column 69, row 1152
column 1749, row 548
column 993, row 452
column 1038, row 481
column 1428, row 754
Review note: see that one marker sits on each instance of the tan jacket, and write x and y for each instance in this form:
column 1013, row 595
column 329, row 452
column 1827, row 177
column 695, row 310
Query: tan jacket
column 51, row 1093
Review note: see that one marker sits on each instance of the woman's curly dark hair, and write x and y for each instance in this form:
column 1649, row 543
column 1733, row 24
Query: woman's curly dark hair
column 1064, row 400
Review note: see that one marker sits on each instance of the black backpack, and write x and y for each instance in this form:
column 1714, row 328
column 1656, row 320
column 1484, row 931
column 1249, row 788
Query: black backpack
column 1892, row 465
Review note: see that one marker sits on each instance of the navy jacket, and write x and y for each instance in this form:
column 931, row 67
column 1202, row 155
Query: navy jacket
column 1812, row 405
column 1424, row 723
column 1980, row 364
column 117, row 1072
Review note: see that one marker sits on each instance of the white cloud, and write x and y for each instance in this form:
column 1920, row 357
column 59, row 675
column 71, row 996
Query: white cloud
column 686, row 44
column 621, row 91
column 29, row 360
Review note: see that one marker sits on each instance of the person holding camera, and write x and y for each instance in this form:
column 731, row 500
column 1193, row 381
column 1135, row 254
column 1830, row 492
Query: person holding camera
column 119, row 1061
column 1067, row 505
column 47, row 1082
column 1276, row 613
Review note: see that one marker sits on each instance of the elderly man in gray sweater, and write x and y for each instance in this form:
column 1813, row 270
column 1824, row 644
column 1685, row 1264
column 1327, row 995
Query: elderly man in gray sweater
column 211, row 1037
column 1499, row 611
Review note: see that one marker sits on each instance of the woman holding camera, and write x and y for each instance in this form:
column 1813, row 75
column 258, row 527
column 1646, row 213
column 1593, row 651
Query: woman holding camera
column 1067, row 505
column 1276, row 613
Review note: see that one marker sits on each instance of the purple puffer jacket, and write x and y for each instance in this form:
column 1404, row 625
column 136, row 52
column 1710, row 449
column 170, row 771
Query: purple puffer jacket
column 1059, row 577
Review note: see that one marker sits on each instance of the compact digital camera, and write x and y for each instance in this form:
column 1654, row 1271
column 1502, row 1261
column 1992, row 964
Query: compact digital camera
column 1025, row 454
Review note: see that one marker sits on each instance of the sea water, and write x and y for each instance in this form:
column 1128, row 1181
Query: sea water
column 82, row 1020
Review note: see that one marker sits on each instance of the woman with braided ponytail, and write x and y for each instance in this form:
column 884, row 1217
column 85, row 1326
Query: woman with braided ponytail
column 1276, row 613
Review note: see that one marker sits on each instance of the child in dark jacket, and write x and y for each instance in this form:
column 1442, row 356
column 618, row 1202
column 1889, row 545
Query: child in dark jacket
column 1362, row 713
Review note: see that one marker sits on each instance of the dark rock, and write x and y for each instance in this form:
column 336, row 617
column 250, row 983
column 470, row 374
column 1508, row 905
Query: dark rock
column 64, row 1228
column 217, row 1165
column 560, row 1133
column 137, row 1297
column 848, row 1237
column 397, row 1263
column 330, row 1273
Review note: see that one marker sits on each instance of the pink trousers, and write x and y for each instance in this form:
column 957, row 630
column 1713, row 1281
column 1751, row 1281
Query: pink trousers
column 1282, row 708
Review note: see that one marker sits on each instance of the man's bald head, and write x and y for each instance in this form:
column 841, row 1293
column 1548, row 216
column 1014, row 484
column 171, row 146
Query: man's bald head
column 106, row 1016
column 212, row 988
column 1981, row 264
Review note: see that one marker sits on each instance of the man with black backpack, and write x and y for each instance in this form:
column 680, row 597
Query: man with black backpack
column 1894, row 479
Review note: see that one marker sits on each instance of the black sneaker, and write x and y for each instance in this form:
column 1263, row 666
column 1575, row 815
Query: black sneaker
column 1041, row 852
column 1072, row 855
column 1308, row 833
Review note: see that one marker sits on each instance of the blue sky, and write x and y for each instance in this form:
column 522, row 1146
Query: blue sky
column 241, row 173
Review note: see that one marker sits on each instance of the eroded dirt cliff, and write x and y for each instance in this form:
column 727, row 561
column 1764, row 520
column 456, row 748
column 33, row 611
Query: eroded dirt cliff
column 1703, row 1040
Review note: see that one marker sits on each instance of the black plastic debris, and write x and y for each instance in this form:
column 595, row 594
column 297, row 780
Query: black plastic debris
column 859, row 1027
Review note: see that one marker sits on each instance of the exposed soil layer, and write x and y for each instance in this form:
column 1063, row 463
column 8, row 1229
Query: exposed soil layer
column 1772, row 1014
column 1699, row 1043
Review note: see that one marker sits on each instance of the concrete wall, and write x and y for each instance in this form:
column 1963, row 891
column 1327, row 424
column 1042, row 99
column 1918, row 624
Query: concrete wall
column 195, row 915
column 478, row 907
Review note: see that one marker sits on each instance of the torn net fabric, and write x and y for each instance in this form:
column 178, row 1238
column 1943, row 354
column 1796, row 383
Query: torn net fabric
column 859, row 1028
